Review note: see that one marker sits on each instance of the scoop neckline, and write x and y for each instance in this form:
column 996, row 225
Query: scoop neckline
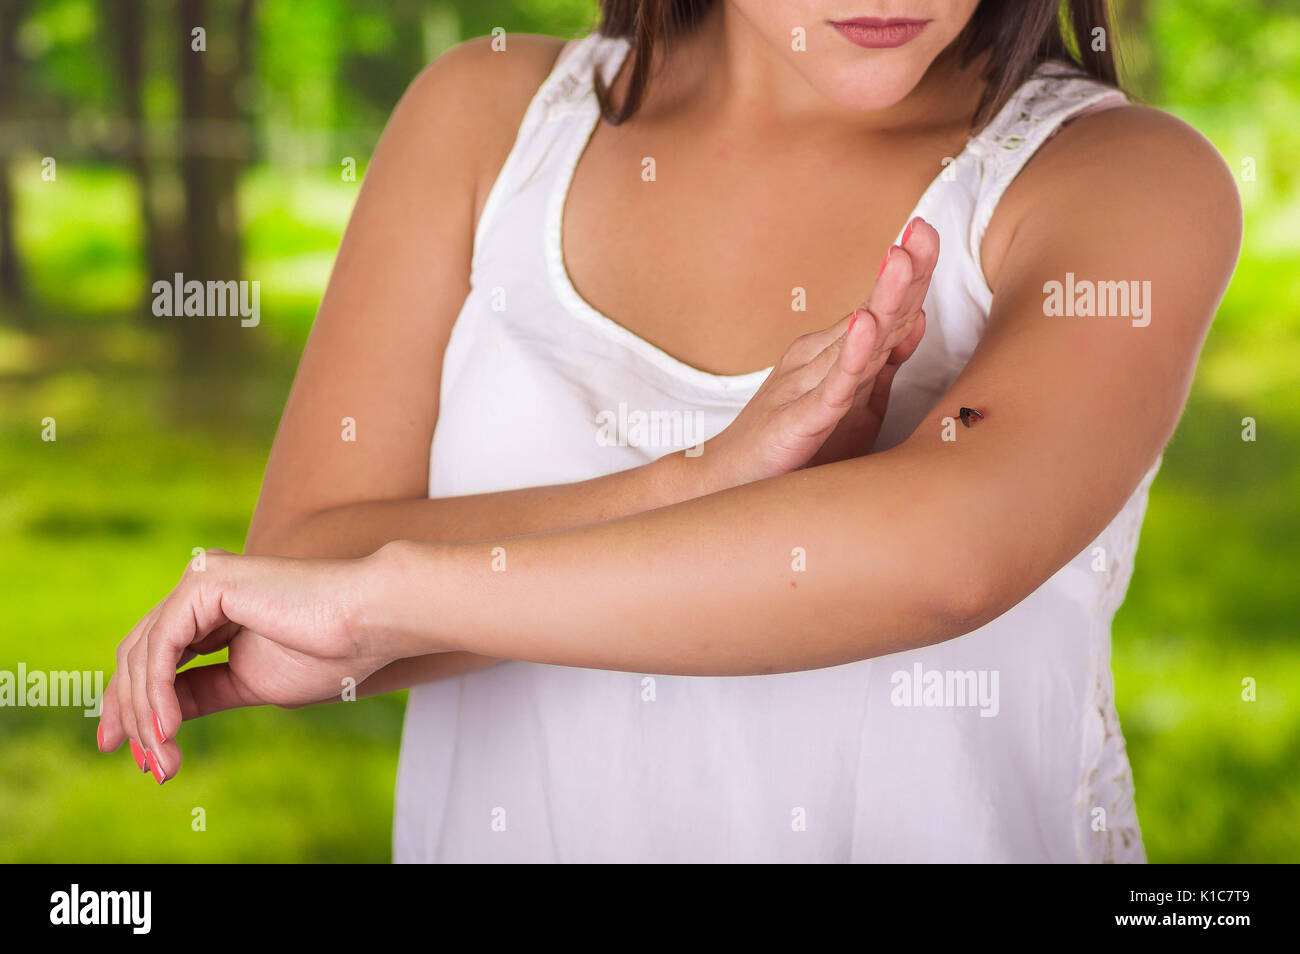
column 579, row 307
column 562, row 283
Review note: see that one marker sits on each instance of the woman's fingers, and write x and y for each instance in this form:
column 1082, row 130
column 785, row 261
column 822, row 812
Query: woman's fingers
column 848, row 373
column 193, row 622
column 878, row 402
column 904, row 281
column 887, row 297
column 873, row 350
column 898, row 294
column 895, row 300
column 219, row 638
column 165, row 762
column 820, row 401
column 162, row 754
column 110, row 734
column 118, row 699
column 806, row 348
column 177, row 628
column 191, row 615
column 920, row 249
column 200, row 691
column 861, row 366
column 116, row 719
column 204, row 690
column 907, row 347
column 820, row 408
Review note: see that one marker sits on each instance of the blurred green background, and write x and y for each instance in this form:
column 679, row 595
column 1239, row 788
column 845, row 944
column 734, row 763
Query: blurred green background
column 163, row 427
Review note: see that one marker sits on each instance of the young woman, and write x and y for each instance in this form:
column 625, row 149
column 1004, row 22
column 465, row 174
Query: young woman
column 656, row 600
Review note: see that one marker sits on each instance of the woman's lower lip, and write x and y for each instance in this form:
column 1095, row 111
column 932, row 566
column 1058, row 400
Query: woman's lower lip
column 879, row 34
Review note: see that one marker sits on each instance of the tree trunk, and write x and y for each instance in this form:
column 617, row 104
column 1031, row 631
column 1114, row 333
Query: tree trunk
column 214, row 142
column 129, row 41
column 11, row 284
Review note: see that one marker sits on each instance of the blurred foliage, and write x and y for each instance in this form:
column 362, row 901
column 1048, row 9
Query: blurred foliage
column 150, row 461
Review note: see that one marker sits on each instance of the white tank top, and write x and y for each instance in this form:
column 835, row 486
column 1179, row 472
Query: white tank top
column 1002, row 745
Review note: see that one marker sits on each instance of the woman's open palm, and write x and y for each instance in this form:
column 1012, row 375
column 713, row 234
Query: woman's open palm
column 826, row 398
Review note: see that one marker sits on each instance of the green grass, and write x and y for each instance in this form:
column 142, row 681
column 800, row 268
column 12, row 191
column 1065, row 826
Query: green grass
column 96, row 526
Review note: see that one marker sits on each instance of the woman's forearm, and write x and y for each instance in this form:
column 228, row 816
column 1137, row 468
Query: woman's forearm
column 359, row 529
column 813, row 569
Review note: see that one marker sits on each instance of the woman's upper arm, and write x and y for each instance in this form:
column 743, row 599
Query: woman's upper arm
column 374, row 356
column 1079, row 408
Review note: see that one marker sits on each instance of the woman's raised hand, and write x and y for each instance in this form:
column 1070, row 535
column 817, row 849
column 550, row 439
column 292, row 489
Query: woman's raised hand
column 826, row 398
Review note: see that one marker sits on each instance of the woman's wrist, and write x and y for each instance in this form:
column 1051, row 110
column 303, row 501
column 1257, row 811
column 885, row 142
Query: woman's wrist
column 404, row 609
column 685, row 475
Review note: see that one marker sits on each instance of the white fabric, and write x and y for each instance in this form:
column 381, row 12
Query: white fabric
column 526, row 762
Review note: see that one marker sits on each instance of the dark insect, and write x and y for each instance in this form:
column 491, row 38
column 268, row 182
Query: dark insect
column 969, row 412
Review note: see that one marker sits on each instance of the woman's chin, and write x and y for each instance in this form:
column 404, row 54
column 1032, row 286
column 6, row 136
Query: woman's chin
column 866, row 91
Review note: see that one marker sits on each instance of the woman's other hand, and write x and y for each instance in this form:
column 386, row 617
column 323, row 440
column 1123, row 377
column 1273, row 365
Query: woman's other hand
column 297, row 634
column 827, row 396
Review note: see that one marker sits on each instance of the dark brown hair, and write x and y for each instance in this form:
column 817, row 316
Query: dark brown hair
column 1019, row 35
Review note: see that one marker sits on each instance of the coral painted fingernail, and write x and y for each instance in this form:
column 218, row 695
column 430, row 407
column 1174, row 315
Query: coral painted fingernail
column 884, row 261
column 137, row 753
column 907, row 231
column 156, row 767
column 99, row 736
column 852, row 322
column 157, row 727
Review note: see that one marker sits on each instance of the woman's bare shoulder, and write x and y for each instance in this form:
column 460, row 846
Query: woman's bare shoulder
column 1150, row 148
column 496, row 76
column 1130, row 162
column 475, row 95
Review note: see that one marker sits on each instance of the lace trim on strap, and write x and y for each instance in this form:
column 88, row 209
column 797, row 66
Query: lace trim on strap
column 1036, row 111
column 571, row 83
